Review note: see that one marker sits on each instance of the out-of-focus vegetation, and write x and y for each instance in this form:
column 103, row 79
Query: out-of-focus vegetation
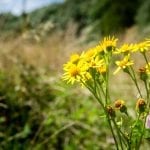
column 37, row 111
column 104, row 16
column 143, row 14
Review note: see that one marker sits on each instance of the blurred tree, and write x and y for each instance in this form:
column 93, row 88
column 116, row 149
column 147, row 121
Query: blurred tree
column 103, row 16
column 143, row 14
column 9, row 23
column 114, row 15
column 25, row 16
column 77, row 11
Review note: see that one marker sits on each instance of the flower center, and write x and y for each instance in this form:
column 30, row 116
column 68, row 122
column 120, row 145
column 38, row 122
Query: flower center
column 74, row 71
column 123, row 63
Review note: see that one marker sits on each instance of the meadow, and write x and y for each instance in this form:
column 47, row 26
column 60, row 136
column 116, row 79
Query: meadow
column 38, row 109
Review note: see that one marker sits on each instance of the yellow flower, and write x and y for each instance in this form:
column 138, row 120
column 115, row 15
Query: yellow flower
column 76, row 72
column 99, row 49
column 142, row 46
column 148, row 68
column 102, row 69
column 89, row 54
column 96, row 62
column 123, row 64
column 126, row 48
column 109, row 43
column 75, row 58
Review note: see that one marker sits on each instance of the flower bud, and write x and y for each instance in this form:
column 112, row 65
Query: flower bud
column 111, row 111
column 120, row 104
column 143, row 74
column 141, row 105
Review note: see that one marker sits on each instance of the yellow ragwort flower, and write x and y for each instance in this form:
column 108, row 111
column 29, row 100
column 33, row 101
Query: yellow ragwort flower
column 126, row 49
column 148, row 68
column 102, row 69
column 76, row 72
column 142, row 46
column 100, row 49
column 89, row 54
column 95, row 62
column 108, row 43
column 75, row 58
column 123, row 64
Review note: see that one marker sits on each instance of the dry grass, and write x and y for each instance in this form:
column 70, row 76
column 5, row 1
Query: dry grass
column 52, row 50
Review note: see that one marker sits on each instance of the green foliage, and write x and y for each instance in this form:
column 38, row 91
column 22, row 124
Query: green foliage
column 44, row 14
column 114, row 16
column 38, row 111
column 136, row 132
column 143, row 15
column 9, row 23
column 105, row 16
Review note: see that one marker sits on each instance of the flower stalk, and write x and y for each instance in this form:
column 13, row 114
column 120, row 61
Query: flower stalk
column 92, row 70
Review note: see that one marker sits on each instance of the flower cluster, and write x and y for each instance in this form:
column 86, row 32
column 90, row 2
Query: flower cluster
column 82, row 68
column 92, row 69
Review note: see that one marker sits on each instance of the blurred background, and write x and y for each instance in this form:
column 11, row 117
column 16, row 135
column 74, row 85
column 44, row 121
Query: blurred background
column 38, row 111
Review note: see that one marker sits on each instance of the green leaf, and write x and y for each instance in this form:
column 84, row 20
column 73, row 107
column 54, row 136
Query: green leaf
column 147, row 134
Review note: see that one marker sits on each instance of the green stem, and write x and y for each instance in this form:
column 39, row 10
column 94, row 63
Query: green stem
column 95, row 85
column 141, row 137
column 145, row 58
column 106, row 78
column 107, row 96
column 146, row 86
column 118, row 133
column 130, row 139
column 94, row 93
column 147, row 90
column 112, row 131
column 108, row 119
column 100, row 85
column 132, row 75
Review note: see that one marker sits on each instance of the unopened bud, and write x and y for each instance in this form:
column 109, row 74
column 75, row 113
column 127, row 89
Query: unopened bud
column 143, row 74
column 111, row 111
column 120, row 104
column 141, row 105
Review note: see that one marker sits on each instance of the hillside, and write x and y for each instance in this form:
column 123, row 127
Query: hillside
column 103, row 17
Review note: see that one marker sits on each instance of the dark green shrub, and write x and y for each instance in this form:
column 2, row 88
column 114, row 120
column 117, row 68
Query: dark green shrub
column 113, row 16
column 143, row 14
